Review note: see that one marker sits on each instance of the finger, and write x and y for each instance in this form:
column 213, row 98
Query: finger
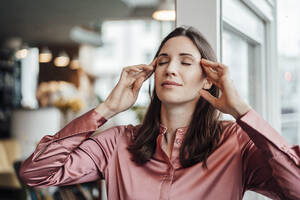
column 210, row 63
column 132, row 73
column 146, row 75
column 141, row 69
column 211, row 74
column 147, row 71
column 214, row 65
column 154, row 62
column 208, row 97
column 152, row 68
column 147, row 68
column 134, row 69
column 137, row 85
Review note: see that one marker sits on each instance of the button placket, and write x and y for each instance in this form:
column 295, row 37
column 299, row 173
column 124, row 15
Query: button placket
column 178, row 141
column 179, row 137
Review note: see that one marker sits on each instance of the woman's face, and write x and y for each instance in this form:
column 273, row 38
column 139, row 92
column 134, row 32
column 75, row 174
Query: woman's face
column 178, row 74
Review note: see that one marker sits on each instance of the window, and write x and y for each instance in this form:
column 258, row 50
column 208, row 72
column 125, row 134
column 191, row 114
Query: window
column 289, row 66
column 235, row 56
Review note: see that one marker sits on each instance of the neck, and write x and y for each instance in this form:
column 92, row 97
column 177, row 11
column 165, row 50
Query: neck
column 176, row 116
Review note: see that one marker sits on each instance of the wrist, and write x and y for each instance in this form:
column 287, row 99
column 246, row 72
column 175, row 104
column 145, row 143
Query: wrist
column 104, row 111
column 240, row 110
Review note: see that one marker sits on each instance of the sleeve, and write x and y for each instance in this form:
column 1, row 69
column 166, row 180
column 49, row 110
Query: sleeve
column 67, row 157
column 271, row 167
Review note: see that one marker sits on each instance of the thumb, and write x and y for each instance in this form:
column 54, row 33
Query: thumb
column 207, row 96
column 138, row 84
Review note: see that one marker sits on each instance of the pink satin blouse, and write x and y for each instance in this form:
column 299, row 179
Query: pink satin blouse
column 252, row 156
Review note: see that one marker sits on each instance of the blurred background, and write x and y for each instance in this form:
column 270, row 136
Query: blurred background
column 59, row 59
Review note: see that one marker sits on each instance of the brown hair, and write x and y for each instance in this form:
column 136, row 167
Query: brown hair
column 204, row 132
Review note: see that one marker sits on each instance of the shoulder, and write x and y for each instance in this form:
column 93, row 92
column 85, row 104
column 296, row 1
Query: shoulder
column 228, row 127
column 233, row 129
column 117, row 132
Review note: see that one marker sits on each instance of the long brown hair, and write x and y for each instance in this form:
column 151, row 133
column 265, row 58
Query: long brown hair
column 204, row 132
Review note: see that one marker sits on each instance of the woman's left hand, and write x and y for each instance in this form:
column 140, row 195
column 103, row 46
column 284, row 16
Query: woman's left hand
column 230, row 101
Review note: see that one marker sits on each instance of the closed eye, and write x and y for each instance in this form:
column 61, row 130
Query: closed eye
column 186, row 63
column 162, row 63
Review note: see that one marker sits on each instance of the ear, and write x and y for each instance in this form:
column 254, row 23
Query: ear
column 207, row 84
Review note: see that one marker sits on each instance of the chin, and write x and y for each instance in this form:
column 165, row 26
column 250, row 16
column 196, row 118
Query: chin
column 171, row 102
column 174, row 99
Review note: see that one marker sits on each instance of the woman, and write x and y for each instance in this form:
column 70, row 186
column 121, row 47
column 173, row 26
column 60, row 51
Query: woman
column 182, row 150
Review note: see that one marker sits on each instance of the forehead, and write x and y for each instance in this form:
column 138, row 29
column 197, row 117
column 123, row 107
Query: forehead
column 180, row 44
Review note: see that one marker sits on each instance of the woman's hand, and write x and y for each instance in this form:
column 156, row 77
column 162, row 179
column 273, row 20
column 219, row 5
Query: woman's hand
column 230, row 101
column 125, row 93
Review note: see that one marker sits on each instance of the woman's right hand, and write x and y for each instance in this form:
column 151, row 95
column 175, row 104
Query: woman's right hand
column 125, row 93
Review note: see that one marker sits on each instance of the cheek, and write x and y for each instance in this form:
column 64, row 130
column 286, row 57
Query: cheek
column 195, row 84
column 194, row 77
column 157, row 76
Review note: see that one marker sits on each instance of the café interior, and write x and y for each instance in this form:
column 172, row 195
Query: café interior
column 60, row 59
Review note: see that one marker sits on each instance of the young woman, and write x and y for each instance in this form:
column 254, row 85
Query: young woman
column 182, row 150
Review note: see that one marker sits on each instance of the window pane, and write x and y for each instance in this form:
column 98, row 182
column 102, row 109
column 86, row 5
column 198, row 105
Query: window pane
column 289, row 66
column 235, row 56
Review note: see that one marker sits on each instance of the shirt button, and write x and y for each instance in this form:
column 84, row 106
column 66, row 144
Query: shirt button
column 178, row 141
column 284, row 148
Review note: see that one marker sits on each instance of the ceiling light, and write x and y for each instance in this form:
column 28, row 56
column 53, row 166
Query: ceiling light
column 75, row 63
column 22, row 52
column 62, row 60
column 165, row 11
column 45, row 55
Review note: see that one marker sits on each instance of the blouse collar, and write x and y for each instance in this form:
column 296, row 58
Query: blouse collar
column 182, row 130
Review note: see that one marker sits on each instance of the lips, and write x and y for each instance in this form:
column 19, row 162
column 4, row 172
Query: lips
column 171, row 83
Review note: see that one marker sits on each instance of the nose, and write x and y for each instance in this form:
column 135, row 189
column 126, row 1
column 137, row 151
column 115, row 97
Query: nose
column 171, row 69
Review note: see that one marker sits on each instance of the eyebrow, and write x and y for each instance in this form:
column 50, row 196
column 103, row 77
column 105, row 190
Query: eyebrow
column 181, row 54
